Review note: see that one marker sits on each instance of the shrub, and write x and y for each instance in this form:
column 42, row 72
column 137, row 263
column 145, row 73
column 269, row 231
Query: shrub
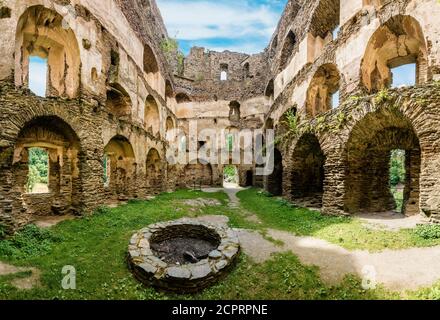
column 428, row 231
column 31, row 241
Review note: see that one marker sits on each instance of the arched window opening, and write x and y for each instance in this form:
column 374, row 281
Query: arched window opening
column 119, row 167
column 42, row 33
column 234, row 111
column 224, row 72
column 150, row 62
column 287, row 51
column 323, row 92
column 118, row 101
column 152, row 116
column 182, row 98
column 38, row 177
column 396, row 55
column 308, row 172
column 383, row 165
column 38, row 75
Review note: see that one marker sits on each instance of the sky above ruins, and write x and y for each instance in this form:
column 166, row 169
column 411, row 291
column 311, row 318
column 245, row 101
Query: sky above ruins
column 236, row 25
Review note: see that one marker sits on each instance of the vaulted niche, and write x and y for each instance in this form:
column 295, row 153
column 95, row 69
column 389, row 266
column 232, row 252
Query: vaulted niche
column 41, row 33
column 383, row 165
column 323, row 92
column 152, row 116
column 287, row 50
column 398, row 42
column 118, row 101
column 150, row 62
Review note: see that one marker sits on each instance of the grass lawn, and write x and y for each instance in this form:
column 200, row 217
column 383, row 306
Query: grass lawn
column 96, row 246
column 344, row 231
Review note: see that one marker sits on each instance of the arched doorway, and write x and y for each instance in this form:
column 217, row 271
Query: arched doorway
column 398, row 42
column 154, row 172
column 275, row 180
column 377, row 141
column 196, row 175
column 47, row 167
column 308, row 172
column 119, row 167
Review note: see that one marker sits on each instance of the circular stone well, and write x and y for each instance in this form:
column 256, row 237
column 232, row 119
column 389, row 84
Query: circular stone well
column 185, row 255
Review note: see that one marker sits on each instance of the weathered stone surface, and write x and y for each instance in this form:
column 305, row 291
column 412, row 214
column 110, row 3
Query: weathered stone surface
column 189, row 277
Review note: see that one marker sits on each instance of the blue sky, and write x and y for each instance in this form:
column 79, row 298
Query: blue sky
column 236, row 25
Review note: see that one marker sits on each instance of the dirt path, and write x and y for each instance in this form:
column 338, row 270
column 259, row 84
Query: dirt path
column 397, row 270
column 24, row 283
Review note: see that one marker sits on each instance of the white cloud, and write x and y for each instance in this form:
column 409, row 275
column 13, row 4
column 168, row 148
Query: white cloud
column 193, row 20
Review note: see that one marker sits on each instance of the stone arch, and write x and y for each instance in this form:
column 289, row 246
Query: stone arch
column 325, row 18
column 287, row 50
column 182, row 97
column 275, row 179
column 307, row 171
column 367, row 186
column 325, row 82
column 198, row 175
column 169, row 91
column 41, row 32
column 234, row 111
column 121, row 167
column 64, row 162
column 118, row 101
column 270, row 90
column 397, row 42
column 152, row 116
column 150, row 61
column 154, row 172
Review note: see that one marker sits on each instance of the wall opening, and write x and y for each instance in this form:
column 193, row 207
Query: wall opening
column 323, row 92
column 308, row 172
column 404, row 75
column 230, row 177
column 150, row 62
column 154, row 172
column 224, row 72
column 275, row 179
column 287, row 51
column 151, row 116
column 182, row 98
column 380, row 145
column 47, row 167
column 397, row 43
column 38, row 75
column 41, row 33
column 197, row 175
column 234, row 111
column 118, row 101
column 397, row 177
column 38, row 177
column 121, row 167
column 107, row 170
column 336, row 99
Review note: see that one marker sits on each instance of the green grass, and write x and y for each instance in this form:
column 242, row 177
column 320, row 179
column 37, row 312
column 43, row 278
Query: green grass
column 349, row 233
column 97, row 246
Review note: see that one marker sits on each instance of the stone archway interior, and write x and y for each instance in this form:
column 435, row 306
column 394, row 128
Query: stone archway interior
column 57, row 140
column 154, row 172
column 308, row 172
column 367, row 181
column 398, row 42
column 275, row 180
column 120, row 165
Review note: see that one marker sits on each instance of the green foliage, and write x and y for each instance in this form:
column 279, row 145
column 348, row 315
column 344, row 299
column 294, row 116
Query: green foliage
column 230, row 174
column 171, row 50
column 2, row 231
column 29, row 242
column 428, row 231
column 38, row 168
column 397, row 167
column 382, row 96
